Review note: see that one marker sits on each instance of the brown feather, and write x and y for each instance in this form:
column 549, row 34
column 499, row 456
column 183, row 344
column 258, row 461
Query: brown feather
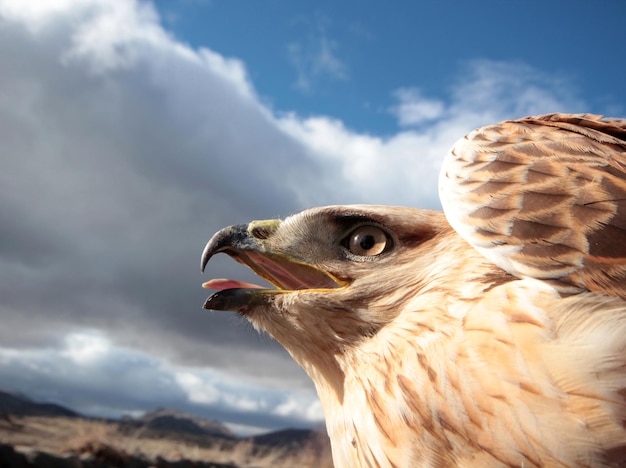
column 544, row 197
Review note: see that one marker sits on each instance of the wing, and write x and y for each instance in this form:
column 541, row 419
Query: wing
column 544, row 197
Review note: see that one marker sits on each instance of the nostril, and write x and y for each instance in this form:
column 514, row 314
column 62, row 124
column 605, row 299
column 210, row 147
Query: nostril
column 260, row 232
column 263, row 229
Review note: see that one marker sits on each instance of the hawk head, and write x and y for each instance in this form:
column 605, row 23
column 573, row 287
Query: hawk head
column 341, row 274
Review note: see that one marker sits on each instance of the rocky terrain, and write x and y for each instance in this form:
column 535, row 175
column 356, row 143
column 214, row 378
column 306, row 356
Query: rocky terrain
column 48, row 436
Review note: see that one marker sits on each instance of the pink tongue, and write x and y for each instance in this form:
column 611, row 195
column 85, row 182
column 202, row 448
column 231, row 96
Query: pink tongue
column 221, row 284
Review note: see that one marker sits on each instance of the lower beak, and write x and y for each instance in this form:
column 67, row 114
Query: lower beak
column 246, row 244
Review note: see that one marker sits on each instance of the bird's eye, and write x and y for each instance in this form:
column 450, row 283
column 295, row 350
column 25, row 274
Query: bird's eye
column 367, row 241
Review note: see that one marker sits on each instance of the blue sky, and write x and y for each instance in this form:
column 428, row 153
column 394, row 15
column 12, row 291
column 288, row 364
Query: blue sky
column 131, row 131
column 377, row 47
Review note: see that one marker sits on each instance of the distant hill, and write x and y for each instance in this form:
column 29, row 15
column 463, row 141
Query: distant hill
column 173, row 426
column 293, row 441
column 19, row 405
column 172, row 421
column 285, row 438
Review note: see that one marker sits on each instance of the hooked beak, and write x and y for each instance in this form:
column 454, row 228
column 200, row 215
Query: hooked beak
column 246, row 243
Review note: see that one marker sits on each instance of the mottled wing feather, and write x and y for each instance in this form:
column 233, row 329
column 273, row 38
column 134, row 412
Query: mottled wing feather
column 544, row 197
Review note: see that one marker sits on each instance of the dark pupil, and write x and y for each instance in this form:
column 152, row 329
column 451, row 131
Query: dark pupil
column 367, row 242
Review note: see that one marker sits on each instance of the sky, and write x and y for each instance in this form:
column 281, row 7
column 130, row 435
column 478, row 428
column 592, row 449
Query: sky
column 131, row 131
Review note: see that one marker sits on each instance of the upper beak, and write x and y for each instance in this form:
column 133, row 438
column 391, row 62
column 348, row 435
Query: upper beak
column 247, row 244
column 231, row 240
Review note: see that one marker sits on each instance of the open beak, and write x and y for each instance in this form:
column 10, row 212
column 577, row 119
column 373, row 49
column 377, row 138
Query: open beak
column 245, row 243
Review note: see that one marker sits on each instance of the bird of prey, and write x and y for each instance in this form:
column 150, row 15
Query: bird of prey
column 493, row 335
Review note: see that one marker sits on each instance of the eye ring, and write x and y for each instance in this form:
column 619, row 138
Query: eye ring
column 367, row 241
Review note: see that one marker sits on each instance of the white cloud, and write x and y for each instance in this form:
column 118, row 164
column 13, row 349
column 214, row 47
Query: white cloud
column 88, row 371
column 246, row 430
column 326, row 61
column 309, row 410
column 35, row 14
column 90, row 374
column 84, row 348
column 198, row 390
column 209, row 386
column 414, row 109
column 315, row 57
column 403, row 168
column 106, row 39
column 512, row 88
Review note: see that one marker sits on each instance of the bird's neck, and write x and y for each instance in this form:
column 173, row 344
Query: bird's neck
column 382, row 382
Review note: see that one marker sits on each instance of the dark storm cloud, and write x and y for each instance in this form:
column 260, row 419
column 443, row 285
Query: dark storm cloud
column 115, row 180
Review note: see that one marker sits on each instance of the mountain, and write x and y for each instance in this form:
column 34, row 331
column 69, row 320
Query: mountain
column 19, row 405
column 311, row 447
column 286, row 438
column 163, row 423
column 173, row 421
column 160, row 433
